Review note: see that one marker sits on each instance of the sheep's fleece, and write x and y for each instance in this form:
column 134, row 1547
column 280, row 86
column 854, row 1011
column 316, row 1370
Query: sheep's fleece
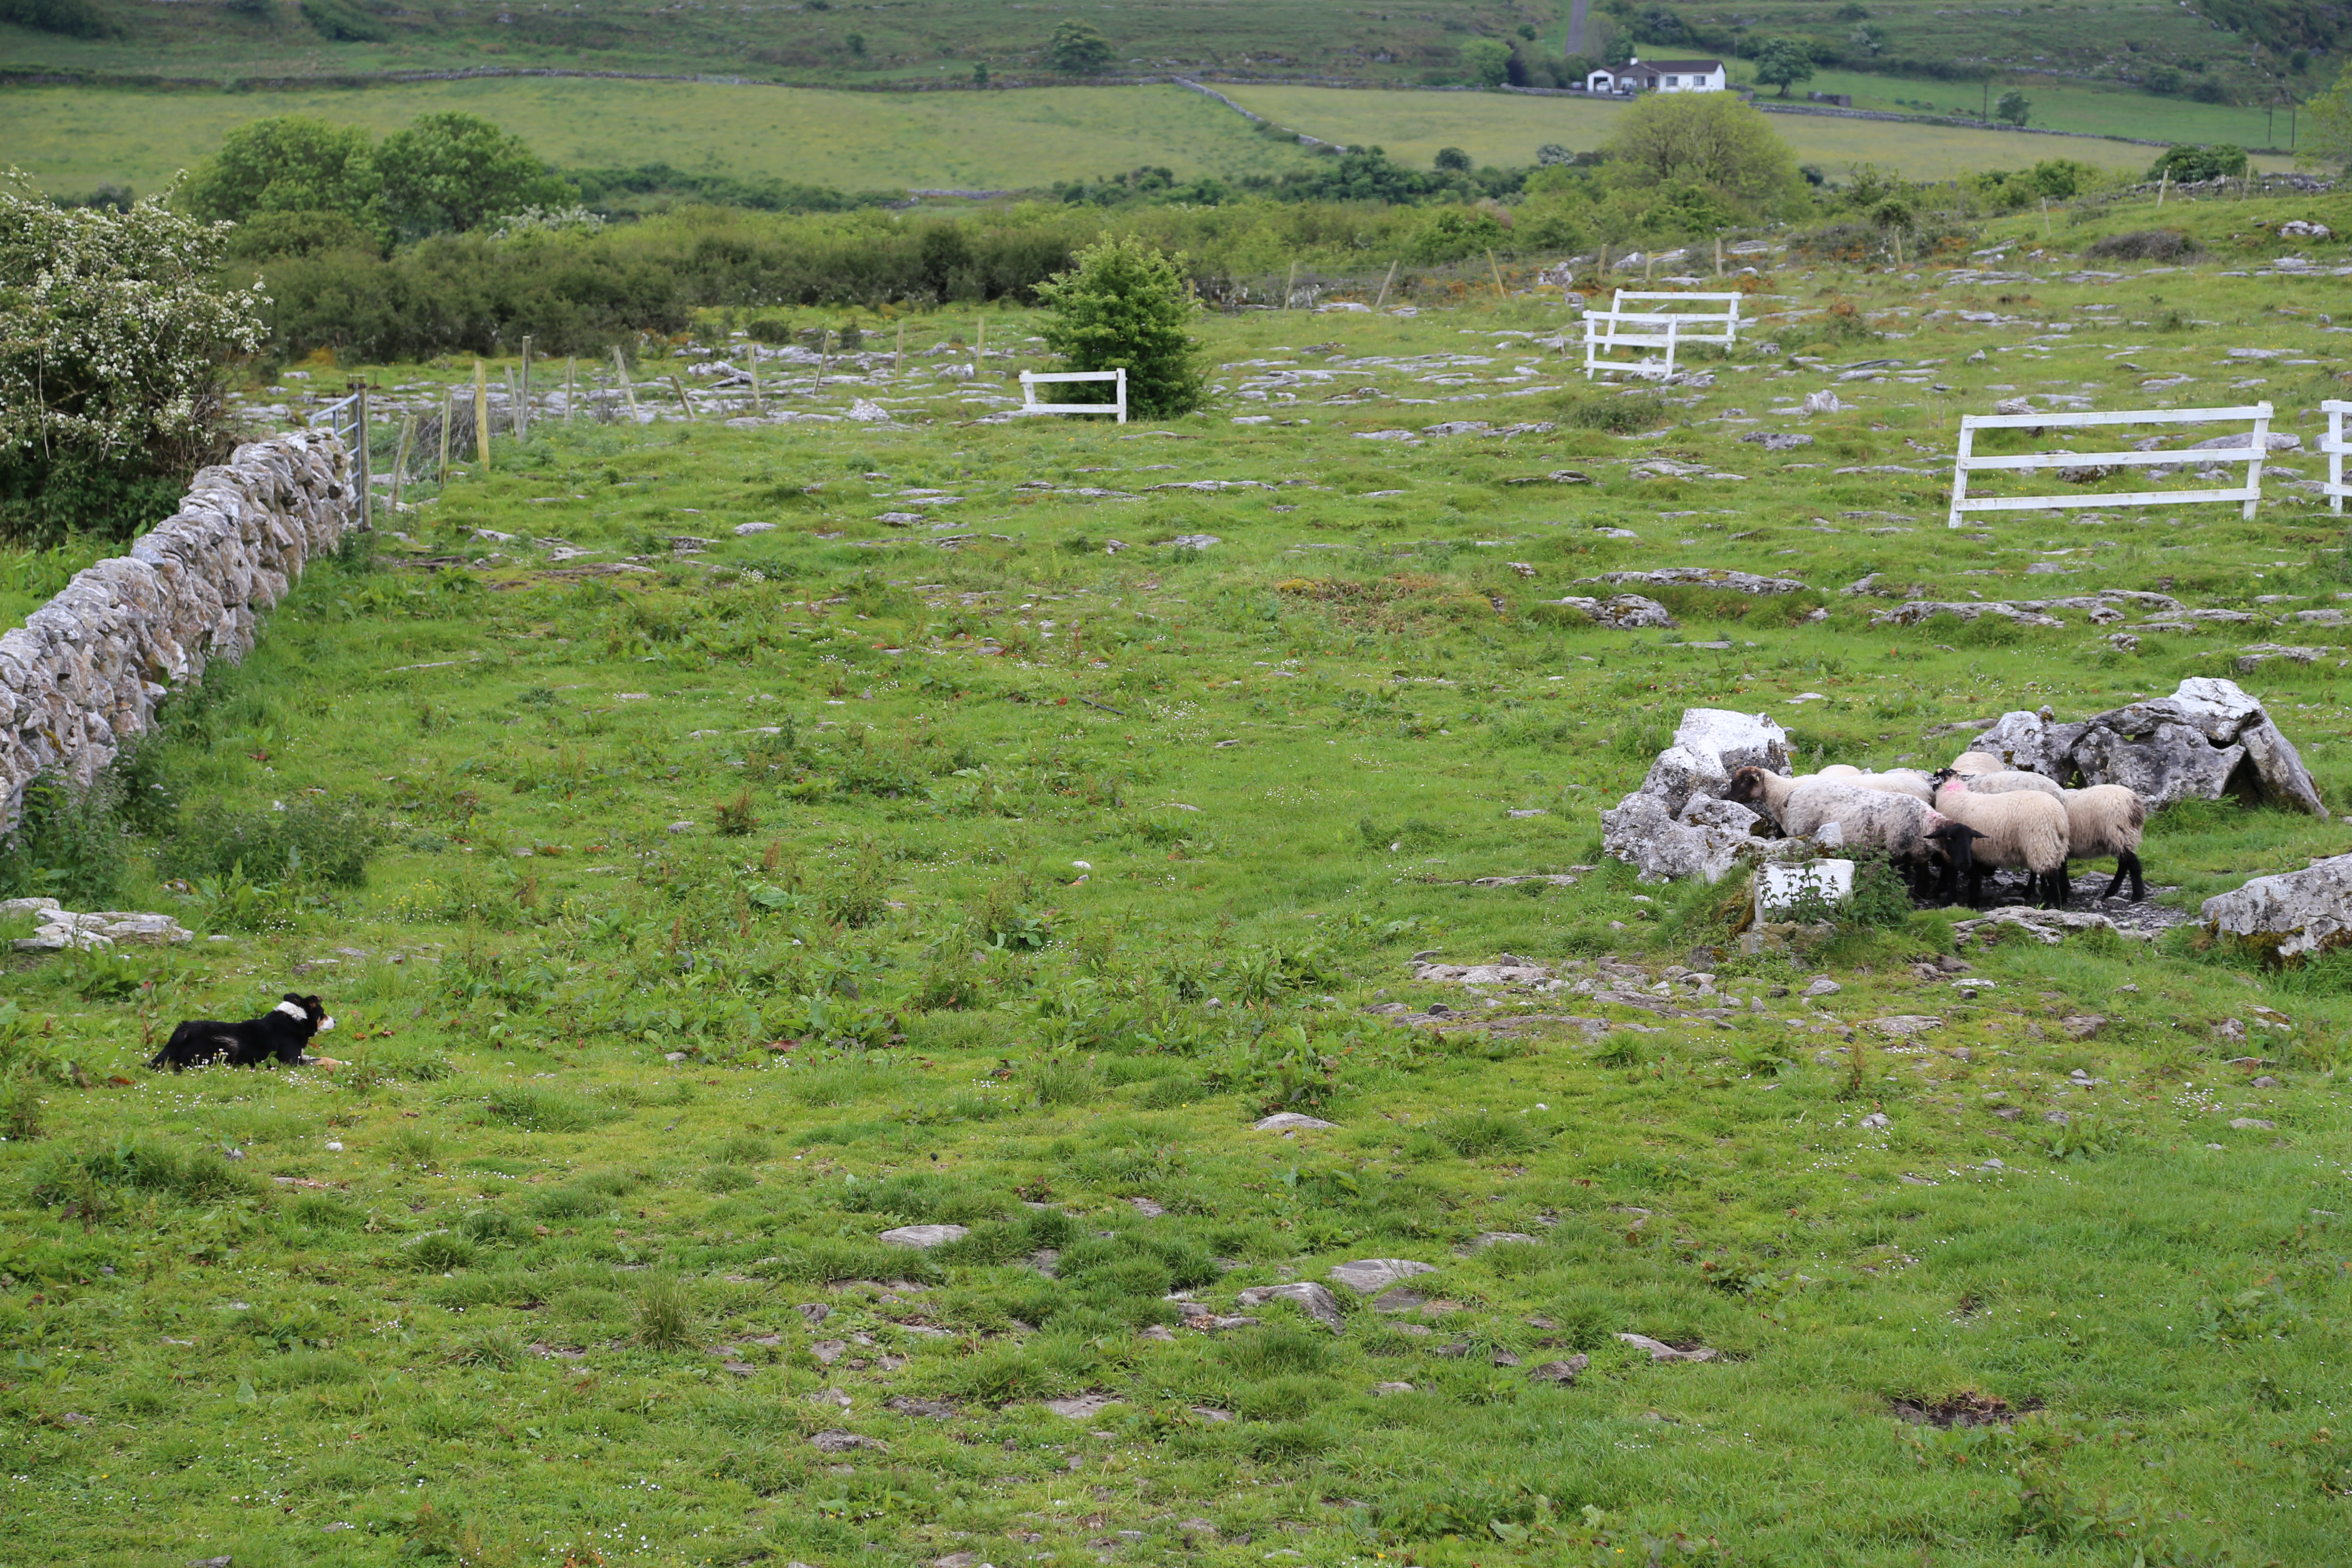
column 86, row 670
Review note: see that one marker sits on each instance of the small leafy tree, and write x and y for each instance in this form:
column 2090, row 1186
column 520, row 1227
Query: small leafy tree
column 2328, row 142
column 114, row 329
column 451, row 172
column 1079, row 47
column 289, row 163
column 2012, row 108
column 1452, row 160
column 1487, row 61
column 1707, row 140
column 1782, row 63
column 1126, row 306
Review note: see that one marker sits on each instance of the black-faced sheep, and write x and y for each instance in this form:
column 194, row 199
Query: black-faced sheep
column 2023, row 829
column 1910, row 834
column 2106, row 819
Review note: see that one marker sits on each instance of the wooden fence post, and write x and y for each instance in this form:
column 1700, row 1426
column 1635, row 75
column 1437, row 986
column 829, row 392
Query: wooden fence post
column 621, row 369
column 482, row 411
column 522, row 421
column 1290, row 284
column 899, row 362
column 515, row 421
column 825, row 349
column 570, row 366
column 675, row 381
column 367, row 480
column 751, row 364
column 1500, row 292
column 400, row 460
column 1719, row 256
column 448, row 415
column 1384, row 286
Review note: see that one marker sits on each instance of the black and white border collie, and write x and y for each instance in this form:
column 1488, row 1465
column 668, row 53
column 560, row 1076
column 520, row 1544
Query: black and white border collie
column 283, row 1032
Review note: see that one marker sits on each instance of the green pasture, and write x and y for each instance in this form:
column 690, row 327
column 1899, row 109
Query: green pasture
column 72, row 139
column 1506, row 129
column 2064, row 106
column 697, row 908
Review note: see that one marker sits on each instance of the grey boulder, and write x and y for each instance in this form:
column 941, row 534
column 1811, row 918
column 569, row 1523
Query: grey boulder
column 1309, row 1296
column 2295, row 911
column 1708, row 744
column 1370, row 1275
column 920, row 1237
column 1625, row 611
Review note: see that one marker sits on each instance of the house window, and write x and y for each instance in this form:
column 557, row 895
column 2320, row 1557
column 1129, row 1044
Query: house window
column 1674, row 81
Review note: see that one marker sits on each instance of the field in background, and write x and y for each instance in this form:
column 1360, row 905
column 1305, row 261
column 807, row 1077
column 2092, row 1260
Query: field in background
column 72, row 139
column 920, row 857
column 1502, row 128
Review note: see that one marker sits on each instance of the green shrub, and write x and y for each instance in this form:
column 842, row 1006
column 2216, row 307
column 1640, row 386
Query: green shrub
column 313, row 838
column 68, row 843
column 197, row 1176
column 666, row 1317
column 1126, row 306
column 68, row 18
column 1478, row 1135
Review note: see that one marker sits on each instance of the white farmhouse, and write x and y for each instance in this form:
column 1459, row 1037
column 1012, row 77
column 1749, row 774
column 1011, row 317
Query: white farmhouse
column 1637, row 75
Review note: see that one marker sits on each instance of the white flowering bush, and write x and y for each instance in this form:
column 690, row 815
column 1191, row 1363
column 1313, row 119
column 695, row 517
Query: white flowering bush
column 574, row 220
column 115, row 333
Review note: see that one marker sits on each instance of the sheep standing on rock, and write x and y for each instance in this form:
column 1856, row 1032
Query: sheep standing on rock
column 1910, row 834
column 2022, row 829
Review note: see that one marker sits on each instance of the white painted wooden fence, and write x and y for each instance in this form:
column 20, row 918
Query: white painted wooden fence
column 1029, row 379
column 1605, row 331
column 2257, row 447
column 2334, row 445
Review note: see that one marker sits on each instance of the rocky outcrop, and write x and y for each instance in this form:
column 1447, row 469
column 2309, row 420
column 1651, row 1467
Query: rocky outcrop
column 86, row 670
column 1702, row 577
column 1677, row 825
column 2293, row 912
column 2207, row 739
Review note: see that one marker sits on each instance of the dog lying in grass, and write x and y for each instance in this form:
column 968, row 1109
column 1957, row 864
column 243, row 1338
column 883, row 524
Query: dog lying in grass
column 284, row 1032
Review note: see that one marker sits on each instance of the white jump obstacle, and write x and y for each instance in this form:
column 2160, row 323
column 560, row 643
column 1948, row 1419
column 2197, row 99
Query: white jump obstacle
column 1606, row 331
column 2257, row 447
column 2334, row 445
column 1029, row 379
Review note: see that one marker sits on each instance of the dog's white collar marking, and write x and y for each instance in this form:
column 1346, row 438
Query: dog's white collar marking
column 326, row 1025
column 291, row 1010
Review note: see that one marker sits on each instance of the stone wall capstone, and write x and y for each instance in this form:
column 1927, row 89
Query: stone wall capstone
column 86, row 670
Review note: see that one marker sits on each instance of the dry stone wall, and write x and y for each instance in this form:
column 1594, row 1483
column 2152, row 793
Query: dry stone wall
column 85, row 671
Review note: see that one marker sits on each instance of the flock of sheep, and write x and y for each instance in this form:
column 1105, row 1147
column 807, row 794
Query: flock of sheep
column 1974, row 816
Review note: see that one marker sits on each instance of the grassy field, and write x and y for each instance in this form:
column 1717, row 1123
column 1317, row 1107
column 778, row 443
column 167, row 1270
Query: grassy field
column 729, row 907
column 72, row 139
column 2084, row 60
column 1500, row 128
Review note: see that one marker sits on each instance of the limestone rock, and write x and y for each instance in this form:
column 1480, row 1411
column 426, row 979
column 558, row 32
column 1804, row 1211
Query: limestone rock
column 1290, row 1120
column 1778, row 441
column 1703, row 577
column 1708, row 744
column 1559, row 1372
column 923, row 1237
column 1625, row 611
column 1665, row 1351
column 1370, row 1276
column 1507, row 970
column 1642, row 831
column 2300, row 911
column 1310, row 1298
column 1485, row 1239
column 835, row 1441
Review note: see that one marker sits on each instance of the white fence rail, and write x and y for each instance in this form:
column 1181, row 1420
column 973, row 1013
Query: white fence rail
column 1606, row 331
column 2333, row 444
column 347, row 419
column 2257, row 447
column 1030, row 378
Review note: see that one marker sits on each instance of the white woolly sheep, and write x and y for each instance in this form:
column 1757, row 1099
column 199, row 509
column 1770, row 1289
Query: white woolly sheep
column 1839, row 771
column 1974, row 762
column 1910, row 834
column 2106, row 819
column 2008, row 780
column 2023, row 829
column 1898, row 781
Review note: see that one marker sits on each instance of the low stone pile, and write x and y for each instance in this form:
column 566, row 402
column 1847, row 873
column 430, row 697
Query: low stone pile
column 62, row 928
